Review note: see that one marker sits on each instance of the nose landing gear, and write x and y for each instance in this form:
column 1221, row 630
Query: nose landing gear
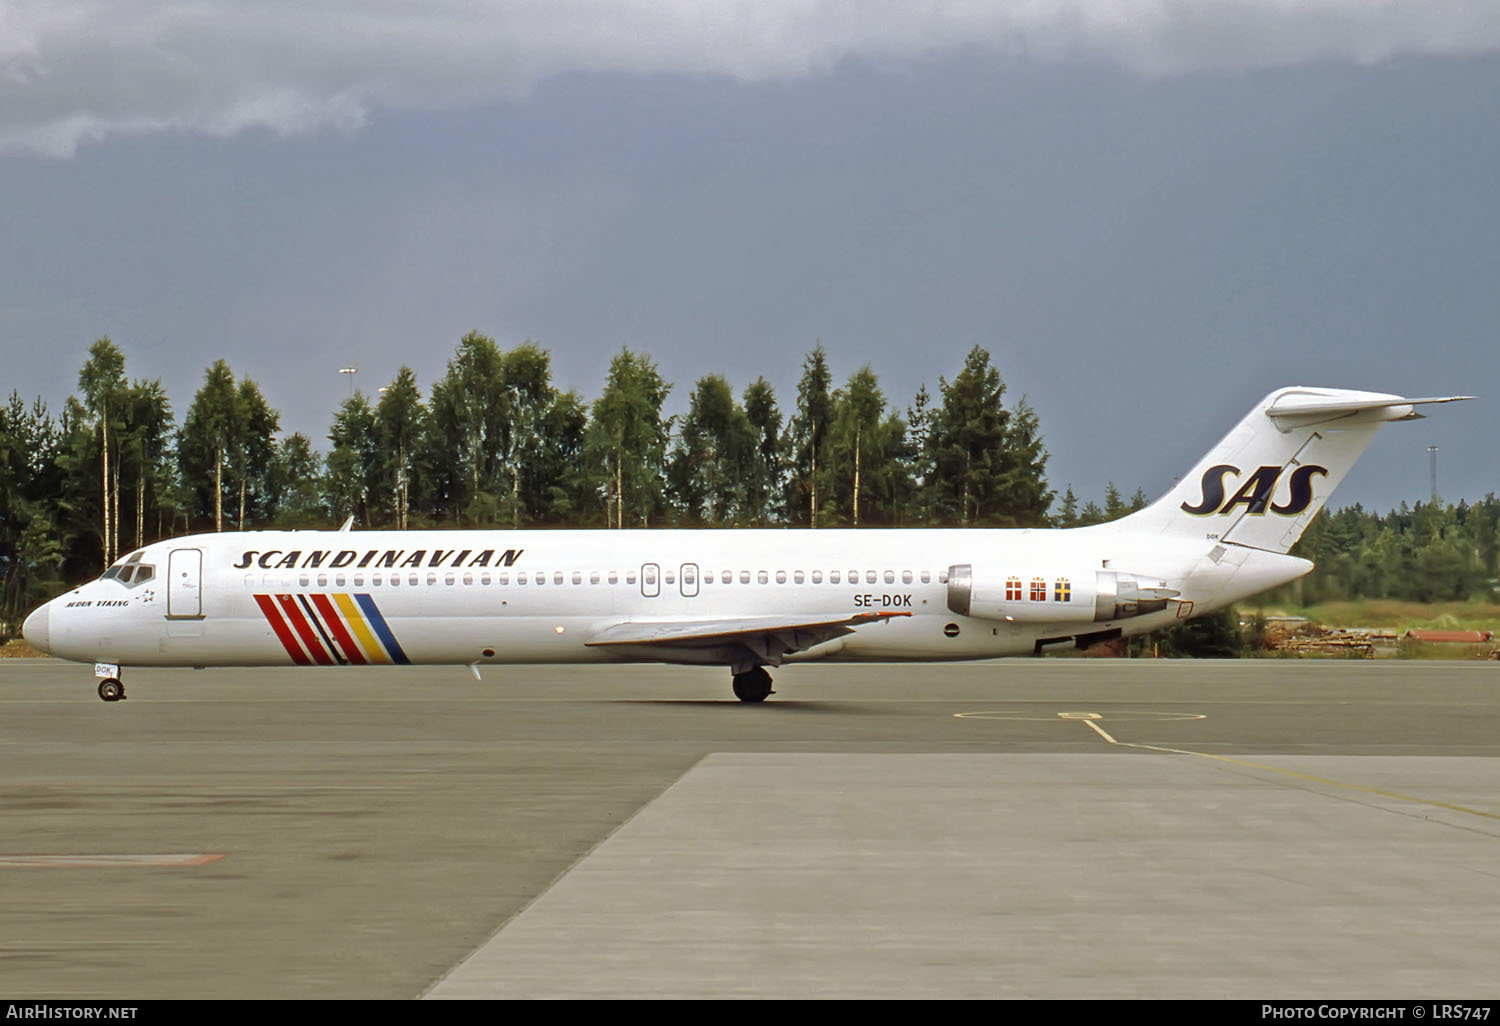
column 753, row 685
column 111, row 690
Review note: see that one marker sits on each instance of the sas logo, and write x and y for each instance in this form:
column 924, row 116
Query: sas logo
column 1257, row 491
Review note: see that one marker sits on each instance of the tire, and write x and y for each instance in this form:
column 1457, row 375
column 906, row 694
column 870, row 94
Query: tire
column 754, row 686
column 111, row 690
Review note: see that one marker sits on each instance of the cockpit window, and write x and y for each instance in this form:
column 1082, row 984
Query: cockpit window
column 131, row 572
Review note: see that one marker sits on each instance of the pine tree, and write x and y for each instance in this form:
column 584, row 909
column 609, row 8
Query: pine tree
column 809, row 435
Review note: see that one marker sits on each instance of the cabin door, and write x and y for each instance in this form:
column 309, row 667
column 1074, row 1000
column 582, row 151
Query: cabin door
column 185, row 584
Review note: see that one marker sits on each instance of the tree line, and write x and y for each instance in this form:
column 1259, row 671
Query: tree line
column 494, row 442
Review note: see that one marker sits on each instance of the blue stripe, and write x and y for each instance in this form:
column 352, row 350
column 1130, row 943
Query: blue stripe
column 382, row 631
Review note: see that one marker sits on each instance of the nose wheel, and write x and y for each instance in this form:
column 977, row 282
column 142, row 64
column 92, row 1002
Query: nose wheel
column 753, row 686
column 111, row 690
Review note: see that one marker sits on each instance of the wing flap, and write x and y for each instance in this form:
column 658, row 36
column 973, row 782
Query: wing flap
column 696, row 633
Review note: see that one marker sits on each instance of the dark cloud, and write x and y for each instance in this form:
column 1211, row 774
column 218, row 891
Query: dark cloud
column 75, row 71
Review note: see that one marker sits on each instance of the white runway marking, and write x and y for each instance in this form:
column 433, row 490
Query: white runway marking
column 112, row 861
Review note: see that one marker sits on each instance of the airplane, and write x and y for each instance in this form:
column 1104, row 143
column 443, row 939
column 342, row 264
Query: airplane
column 744, row 599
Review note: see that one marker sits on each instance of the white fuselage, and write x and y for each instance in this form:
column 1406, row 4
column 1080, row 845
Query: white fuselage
column 494, row 597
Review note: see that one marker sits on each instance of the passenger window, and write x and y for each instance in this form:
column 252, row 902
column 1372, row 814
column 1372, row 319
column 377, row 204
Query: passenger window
column 906, row 577
column 614, row 578
column 359, row 580
column 781, row 577
column 395, row 580
column 504, row 579
column 338, row 581
column 484, row 579
column 302, row 582
column 557, row 578
column 943, row 577
column 521, row 578
column 671, row 577
column 797, row 577
column 926, row 576
column 375, row 579
column 593, row 577
column 727, row 577
column 817, row 577
column 744, row 576
column 468, row 578
column 629, row 576
column 833, row 577
column 761, row 577
column 322, row 580
column 411, row 579
column 889, row 577
column 869, row 576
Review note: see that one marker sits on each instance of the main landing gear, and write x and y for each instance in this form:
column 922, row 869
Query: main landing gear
column 753, row 686
column 111, row 690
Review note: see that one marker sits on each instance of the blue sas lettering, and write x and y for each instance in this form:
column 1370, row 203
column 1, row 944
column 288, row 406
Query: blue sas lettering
column 1257, row 491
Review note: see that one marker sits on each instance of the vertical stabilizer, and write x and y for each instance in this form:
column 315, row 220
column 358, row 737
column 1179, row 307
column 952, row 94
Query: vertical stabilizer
column 1266, row 480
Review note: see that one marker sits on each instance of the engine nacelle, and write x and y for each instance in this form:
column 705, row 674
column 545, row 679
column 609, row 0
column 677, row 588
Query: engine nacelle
column 1088, row 596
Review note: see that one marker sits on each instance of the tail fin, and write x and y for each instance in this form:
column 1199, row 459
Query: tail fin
column 1266, row 480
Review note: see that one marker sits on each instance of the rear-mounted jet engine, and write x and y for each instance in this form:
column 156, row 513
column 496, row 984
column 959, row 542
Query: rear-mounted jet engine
column 1090, row 596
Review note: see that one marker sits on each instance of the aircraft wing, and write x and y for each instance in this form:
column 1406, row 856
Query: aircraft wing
column 765, row 638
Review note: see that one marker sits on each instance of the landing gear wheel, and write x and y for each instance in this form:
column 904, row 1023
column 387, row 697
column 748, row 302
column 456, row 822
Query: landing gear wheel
column 753, row 686
column 111, row 690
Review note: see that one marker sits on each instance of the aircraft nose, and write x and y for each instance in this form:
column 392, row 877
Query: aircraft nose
column 35, row 629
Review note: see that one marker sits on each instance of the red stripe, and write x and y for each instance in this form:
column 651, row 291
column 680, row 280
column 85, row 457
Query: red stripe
column 333, row 623
column 279, row 626
column 304, row 629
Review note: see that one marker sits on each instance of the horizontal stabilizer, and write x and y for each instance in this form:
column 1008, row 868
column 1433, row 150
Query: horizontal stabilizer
column 1294, row 408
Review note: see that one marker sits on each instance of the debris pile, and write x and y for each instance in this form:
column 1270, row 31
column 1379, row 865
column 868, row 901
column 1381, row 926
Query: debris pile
column 1308, row 638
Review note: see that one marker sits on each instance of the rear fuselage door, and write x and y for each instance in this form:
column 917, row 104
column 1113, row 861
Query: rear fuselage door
column 185, row 584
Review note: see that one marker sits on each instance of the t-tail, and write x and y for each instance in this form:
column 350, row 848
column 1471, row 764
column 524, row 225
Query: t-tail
column 1265, row 481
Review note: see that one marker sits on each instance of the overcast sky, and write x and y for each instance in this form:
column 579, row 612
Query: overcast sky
column 1150, row 212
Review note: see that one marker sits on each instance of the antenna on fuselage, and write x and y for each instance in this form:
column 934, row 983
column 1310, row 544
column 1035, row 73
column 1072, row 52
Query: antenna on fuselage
column 348, row 524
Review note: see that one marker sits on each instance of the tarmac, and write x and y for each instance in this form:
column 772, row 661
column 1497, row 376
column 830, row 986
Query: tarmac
column 1055, row 828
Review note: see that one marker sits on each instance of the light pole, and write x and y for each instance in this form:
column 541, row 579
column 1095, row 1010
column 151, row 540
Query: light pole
column 350, row 370
column 1432, row 452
